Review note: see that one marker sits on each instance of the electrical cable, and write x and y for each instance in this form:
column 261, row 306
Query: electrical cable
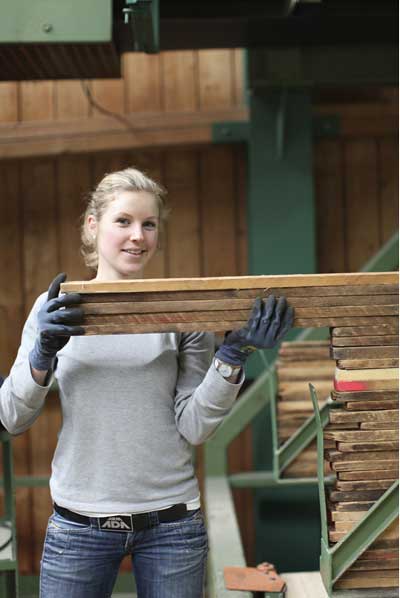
column 86, row 90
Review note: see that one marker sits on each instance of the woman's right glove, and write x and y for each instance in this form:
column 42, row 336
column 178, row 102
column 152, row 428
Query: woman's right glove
column 269, row 321
column 57, row 322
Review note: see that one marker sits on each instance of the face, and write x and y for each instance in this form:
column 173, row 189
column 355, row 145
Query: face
column 126, row 235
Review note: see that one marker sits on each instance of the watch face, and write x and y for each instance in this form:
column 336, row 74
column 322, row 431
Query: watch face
column 225, row 369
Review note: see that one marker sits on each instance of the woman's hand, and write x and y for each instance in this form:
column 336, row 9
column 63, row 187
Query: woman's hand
column 269, row 321
column 57, row 322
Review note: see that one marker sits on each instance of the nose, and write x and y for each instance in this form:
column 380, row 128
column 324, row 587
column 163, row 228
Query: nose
column 136, row 232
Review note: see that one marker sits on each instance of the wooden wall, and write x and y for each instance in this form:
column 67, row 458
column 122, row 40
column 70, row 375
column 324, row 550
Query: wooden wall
column 42, row 200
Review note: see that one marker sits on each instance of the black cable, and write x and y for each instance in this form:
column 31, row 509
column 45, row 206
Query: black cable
column 86, row 90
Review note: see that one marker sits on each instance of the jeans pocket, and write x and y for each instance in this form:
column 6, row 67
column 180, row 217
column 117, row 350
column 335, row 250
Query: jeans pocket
column 193, row 532
column 59, row 523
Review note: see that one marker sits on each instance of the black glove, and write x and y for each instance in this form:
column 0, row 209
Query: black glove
column 270, row 320
column 57, row 323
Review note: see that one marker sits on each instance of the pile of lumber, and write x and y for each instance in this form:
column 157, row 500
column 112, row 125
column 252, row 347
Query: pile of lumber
column 298, row 364
column 364, row 427
column 219, row 304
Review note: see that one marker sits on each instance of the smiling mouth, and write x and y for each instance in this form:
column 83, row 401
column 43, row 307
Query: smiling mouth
column 135, row 252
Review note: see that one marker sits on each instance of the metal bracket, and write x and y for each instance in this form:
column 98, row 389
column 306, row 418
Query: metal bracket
column 143, row 18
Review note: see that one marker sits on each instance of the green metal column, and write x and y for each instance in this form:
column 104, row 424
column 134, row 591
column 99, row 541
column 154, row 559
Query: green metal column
column 281, row 199
column 281, row 233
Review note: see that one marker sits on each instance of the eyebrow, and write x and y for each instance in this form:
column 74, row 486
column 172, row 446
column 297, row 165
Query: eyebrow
column 130, row 216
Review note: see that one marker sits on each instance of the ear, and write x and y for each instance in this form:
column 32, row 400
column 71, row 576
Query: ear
column 92, row 225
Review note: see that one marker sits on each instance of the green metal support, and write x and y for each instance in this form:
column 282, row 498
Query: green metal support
column 144, row 20
column 337, row 559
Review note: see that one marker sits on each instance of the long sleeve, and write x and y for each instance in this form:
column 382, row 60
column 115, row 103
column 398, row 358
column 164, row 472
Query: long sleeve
column 203, row 397
column 21, row 398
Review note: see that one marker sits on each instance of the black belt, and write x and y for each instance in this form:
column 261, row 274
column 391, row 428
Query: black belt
column 126, row 523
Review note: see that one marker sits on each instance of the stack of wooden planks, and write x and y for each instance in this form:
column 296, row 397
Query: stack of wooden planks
column 365, row 430
column 219, row 304
column 299, row 363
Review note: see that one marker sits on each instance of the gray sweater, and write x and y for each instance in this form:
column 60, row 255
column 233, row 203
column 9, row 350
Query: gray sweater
column 131, row 407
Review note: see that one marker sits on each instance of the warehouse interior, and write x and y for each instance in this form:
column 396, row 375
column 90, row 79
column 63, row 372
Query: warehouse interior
column 274, row 127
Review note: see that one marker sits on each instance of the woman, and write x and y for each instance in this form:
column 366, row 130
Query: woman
column 122, row 480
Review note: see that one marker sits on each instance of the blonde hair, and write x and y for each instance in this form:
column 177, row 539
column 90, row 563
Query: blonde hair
column 129, row 179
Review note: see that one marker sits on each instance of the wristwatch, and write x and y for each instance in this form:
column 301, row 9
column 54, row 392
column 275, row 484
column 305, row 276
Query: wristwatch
column 226, row 369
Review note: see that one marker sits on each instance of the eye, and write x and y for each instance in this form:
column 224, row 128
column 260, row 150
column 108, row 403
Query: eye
column 122, row 221
column 149, row 225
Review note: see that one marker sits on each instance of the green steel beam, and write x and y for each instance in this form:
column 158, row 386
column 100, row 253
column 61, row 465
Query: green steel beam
column 367, row 530
column 386, row 259
column 239, row 131
column 267, row 479
column 298, row 441
column 329, row 65
column 41, row 21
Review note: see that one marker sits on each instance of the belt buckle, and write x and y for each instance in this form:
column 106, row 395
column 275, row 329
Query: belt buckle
column 116, row 523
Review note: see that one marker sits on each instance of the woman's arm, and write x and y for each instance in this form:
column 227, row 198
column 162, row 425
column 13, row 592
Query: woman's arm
column 22, row 396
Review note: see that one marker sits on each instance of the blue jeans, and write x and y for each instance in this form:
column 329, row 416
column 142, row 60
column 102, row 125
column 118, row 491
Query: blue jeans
column 168, row 560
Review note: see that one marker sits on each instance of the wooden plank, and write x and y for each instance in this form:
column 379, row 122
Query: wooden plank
column 347, row 515
column 361, row 582
column 352, row 506
column 105, row 133
column 8, row 101
column 353, row 466
column 183, row 229
column 354, row 341
column 335, row 456
column 362, row 206
column 361, row 485
column 179, row 80
column 217, row 216
column 367, row 405
column 368, row 395
column 142, row 75
column 348, row 310
column 379, row 425
column 365, row 353
column 69, row 100
column 109, row 94
column 215, row 79
column 370, row 474
column 329, row 281
column 360, row 436
column 304, row 585
column 329, row 189
column 389, row 445
column 337, row 416
column 365, row 330
column 36, row 101
column 371, row 374
column 358, row 364
column 351, row 496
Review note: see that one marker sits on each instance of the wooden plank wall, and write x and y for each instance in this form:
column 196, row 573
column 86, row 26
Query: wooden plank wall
column 42, row 200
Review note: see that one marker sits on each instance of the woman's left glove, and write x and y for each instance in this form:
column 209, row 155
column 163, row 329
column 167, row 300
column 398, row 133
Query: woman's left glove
column 57, row 322
column 269, row 321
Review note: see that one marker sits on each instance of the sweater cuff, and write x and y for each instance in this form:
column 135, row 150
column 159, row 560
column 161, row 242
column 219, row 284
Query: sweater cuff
column 25, row 386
